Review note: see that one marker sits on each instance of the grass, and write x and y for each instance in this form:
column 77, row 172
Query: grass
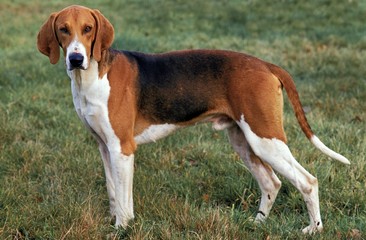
column 190, row 185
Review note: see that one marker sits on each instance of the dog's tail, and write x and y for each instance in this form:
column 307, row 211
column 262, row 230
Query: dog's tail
column 292, row 94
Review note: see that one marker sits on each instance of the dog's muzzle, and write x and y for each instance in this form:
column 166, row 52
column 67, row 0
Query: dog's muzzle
column 76, row 61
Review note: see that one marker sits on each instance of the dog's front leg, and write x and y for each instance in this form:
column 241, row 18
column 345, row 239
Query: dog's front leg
column 122, row 171
column 108, row 175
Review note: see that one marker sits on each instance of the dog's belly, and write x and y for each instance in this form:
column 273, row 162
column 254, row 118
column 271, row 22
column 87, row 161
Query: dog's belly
column 155, row 132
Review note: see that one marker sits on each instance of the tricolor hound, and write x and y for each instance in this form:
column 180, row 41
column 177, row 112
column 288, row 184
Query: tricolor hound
column 128, row 98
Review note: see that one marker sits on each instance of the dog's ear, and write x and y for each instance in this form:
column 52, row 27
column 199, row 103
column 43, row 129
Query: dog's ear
column 46, row 40
column 104, row 35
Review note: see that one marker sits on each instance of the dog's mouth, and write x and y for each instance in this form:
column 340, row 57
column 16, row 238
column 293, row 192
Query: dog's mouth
column 71, row 68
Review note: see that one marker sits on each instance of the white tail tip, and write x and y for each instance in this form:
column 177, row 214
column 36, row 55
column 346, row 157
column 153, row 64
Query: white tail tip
column 319, row 145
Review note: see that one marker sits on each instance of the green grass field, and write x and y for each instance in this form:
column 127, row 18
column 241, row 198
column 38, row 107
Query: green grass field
column 190, row 185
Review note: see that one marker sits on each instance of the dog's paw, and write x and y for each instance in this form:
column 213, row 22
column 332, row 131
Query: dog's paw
column 311, row 229
column 123, row 222
column 260, row 218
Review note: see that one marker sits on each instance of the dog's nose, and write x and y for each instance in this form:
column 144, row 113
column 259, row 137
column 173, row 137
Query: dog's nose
column 76, row 60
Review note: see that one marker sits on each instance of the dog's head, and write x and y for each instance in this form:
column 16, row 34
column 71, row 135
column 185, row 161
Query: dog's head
column 81, row 32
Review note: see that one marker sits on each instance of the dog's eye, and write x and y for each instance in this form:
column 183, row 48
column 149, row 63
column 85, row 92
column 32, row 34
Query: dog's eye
column 64, row 30
column 87, row 29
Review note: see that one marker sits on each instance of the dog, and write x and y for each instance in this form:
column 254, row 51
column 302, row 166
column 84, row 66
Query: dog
column 129, row 98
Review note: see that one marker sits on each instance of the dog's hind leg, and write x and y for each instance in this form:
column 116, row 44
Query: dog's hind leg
column 276, row 153
column 268, row 182
column 261, row 120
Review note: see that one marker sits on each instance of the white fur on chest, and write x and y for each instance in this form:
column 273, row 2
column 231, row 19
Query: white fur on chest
column 90, row 97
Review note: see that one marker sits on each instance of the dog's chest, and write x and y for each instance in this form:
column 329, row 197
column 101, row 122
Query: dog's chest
column 90, row 97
